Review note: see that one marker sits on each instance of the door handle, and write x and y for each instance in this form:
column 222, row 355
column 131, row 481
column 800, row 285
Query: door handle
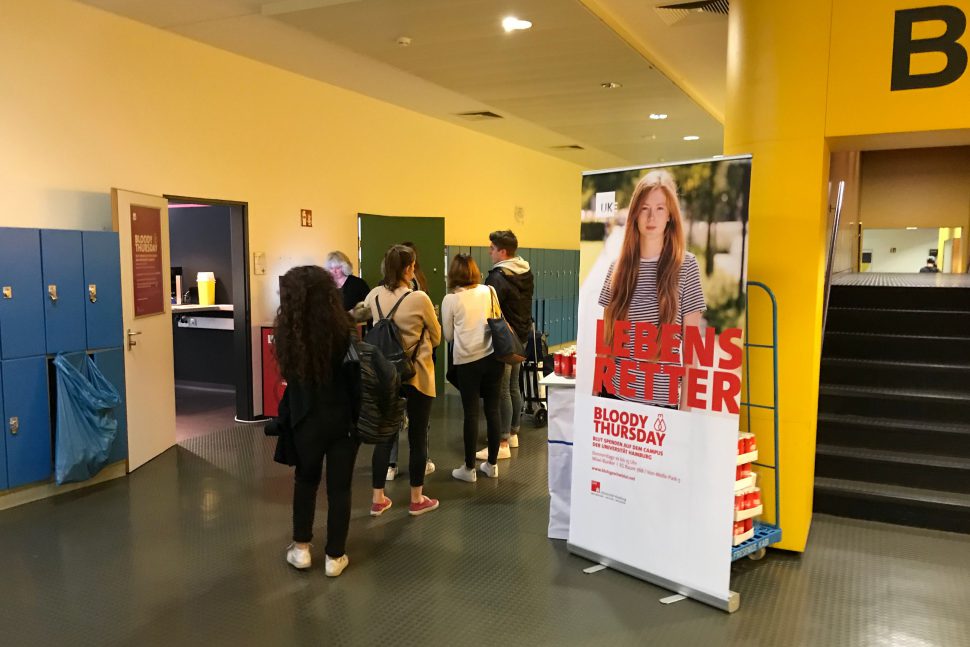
column 52, row 292
column 93, row 293
column 131, row 341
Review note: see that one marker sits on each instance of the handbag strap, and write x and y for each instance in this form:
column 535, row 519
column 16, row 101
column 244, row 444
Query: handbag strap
column 496, row 312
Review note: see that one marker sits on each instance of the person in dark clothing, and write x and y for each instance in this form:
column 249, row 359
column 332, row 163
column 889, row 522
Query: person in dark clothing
column 514, row 283
column 353, row 288
column 319, row 410
column 930, row 267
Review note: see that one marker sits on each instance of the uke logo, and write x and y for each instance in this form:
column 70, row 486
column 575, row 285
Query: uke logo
column 594, row 486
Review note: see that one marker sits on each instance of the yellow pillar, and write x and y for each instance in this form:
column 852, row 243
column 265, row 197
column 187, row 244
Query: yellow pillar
column 777, row 87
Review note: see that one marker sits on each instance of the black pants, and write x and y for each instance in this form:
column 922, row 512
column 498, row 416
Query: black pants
column 313, row 443
column 481, row 379
column 419, row 415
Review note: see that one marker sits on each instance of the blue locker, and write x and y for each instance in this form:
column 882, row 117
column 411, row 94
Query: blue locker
column 63, row 266
column 22, row 296
column 3, row 443
column 27, row 422
column 102, row 273
column 112, row 365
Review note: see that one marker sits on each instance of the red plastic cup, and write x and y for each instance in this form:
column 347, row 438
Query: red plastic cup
column 557, row 363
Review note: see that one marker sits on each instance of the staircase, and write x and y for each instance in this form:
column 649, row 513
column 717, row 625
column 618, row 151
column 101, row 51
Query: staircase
column 894, row 407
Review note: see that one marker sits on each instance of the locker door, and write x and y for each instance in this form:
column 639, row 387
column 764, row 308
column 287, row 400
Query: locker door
column 27, row 423
column 3, row 442
column 63, row 267
column 22, row 298
column 102, row 271
column 112, row 365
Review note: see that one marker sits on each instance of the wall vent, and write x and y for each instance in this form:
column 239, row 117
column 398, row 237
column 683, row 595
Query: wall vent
column 482, row 115
column 677, row 12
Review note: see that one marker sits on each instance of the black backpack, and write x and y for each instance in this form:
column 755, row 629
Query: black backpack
column 386, row 337
column 382, row 409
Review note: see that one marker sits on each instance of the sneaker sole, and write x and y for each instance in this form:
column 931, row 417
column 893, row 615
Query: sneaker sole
column 464, row 480
column 299, row 568
column 423, row 510
column 379, row 513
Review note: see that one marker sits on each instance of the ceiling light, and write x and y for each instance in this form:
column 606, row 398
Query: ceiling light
column 656, row 115
column 717, row 157
column 514, row 24
column 610, row 85
column 691, row 138
column 911, row 228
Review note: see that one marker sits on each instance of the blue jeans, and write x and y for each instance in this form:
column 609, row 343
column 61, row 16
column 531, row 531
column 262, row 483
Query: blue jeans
column 510, row 400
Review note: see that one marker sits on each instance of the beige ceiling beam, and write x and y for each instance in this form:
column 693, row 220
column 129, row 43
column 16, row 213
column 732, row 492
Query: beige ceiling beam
column 281, row 7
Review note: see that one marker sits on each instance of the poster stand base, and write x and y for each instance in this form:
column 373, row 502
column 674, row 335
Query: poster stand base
column 730, row 604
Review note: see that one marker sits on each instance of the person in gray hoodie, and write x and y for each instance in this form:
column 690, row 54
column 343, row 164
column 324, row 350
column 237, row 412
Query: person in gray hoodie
column 513, row 281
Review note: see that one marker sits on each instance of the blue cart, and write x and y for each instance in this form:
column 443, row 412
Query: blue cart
column 764, row 534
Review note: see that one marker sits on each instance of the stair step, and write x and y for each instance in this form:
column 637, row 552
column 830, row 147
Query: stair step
column 946, row 473
column 928, row 405
column 898, row 321
column 916, row 298
column 914, row 436
column 893, row 504
column 884, row 373
column 885, row 347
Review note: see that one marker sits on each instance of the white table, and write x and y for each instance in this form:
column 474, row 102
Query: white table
column 561, row 398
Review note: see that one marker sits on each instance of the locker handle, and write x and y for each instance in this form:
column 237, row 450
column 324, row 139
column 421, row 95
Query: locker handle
column 52, row 292
column 7, row 292
column 93, row 293
column 14, row 425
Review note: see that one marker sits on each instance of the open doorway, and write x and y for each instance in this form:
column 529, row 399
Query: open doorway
column 211, row 314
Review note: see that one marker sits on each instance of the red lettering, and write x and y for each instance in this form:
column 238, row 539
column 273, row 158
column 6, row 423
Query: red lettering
column 621, row 339
column 669, row 343
column 602, row 348
column 730, row 343
column 725, row 391
column 650, row 370
column 697, row 349
column 696, row 389
column 645, row 335
column 675, row 373
column 626, row 380
column 603, row 375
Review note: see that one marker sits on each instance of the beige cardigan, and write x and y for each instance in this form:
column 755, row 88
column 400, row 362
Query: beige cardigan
column 415, row 314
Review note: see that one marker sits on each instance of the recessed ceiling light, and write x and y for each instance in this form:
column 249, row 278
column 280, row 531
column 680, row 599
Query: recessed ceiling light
column 911, row 228
column 691, row 138
column 717, row 157
column 658, row 115
column 610, row 85
column 512, row 23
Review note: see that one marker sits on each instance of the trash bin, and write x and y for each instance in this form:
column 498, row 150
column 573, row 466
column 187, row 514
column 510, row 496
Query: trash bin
column 207, row 288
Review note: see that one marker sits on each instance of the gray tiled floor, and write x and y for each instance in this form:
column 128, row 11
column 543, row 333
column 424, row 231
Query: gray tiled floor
column 200, row 411
column 892, row 280
column 188, row 550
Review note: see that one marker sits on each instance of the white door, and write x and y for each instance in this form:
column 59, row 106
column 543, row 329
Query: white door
column 147, row 316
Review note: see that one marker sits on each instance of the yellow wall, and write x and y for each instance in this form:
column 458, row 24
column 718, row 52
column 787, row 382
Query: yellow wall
column 804, row 78
column 90, row 100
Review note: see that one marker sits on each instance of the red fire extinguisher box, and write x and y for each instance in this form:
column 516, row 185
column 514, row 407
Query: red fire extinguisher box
column 273, row 383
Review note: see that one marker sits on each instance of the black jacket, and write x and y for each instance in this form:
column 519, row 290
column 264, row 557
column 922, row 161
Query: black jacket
column 514, row 292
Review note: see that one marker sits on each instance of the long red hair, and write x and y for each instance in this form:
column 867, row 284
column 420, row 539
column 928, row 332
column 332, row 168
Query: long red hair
column 627, row 267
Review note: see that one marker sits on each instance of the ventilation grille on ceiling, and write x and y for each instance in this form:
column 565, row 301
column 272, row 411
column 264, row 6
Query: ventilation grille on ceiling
column 568, row 147
column 676, row 12
column 482, row 115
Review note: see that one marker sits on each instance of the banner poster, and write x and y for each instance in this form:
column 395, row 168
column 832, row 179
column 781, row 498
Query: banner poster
column 146, row 261
column 658, row 391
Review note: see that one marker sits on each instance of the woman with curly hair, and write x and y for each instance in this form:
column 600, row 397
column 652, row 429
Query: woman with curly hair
column 319, row 409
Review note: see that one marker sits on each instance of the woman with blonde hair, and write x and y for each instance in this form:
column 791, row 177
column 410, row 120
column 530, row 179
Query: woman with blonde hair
column 655, row 279
column 353, row 289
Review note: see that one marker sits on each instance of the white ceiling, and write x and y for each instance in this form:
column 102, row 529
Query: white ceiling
column 545, row 82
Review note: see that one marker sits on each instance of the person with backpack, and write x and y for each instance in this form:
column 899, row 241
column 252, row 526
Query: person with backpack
column 512, row 279
column 319, row 411
column 464, row 317
column 405, row 330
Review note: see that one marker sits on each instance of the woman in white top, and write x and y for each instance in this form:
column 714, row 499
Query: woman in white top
column 463, row 318
column 420, row 333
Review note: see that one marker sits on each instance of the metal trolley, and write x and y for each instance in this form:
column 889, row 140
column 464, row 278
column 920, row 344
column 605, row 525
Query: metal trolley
column 764, row 534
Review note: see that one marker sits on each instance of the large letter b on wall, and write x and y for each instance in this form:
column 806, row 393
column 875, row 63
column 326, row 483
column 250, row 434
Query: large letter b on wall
column 904, row 46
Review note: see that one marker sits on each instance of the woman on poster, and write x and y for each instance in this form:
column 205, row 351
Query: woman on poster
column 655, row 279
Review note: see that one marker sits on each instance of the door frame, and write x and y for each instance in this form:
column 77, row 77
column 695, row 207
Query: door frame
column 242, row 345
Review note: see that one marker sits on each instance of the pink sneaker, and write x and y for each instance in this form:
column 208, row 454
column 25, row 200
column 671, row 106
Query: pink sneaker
column 378, row 509
column 426, row 505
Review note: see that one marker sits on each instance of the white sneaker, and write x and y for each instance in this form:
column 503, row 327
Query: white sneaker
column 503, row 452
column 489, row 470
column 514, row 441
column 298, row 557
column 336, row 566
column 429, row 468
column 391, row 473
column 465, row 474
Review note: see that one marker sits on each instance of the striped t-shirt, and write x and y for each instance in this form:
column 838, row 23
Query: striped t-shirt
column 645, row 307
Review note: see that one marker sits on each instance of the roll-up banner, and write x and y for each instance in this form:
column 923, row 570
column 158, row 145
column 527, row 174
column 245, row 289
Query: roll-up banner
column 658, row 391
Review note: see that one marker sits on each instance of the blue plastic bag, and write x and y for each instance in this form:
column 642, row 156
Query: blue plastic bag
column 86, row 423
